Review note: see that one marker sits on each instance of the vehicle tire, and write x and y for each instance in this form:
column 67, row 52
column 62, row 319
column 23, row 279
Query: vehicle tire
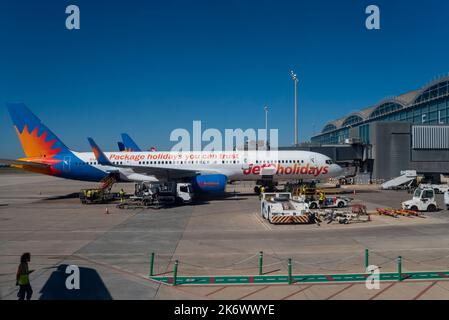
column 431, row 208
column 257, row 190
column 340, row 204
column 313, row 205
column 414, row 208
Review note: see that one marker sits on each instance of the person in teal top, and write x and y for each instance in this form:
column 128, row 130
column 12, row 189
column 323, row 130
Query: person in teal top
column 23, row 278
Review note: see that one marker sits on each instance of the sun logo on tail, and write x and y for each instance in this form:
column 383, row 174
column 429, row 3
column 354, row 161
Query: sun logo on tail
column 36, row 146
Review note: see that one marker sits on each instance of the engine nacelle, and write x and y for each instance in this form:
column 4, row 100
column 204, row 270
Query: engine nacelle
column 210, row 183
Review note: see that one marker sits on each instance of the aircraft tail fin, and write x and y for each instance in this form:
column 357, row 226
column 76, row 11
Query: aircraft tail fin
column 121, row 146
column 101, row 157
column 129, row 143
column 37, row 140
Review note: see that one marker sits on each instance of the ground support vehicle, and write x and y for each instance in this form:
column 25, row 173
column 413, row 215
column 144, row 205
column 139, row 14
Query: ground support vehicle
column 102, row 194
column 281, row 208
column 423, row 200
column 157, row 195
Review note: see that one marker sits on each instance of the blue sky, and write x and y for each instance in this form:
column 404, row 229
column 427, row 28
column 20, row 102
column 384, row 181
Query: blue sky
column 148, row 67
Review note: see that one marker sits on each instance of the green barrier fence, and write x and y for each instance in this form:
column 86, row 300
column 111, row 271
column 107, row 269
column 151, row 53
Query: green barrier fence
column 290, row 278
column 306, row 278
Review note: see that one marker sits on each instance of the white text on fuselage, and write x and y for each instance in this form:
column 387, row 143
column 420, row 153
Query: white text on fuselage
column 173, row 157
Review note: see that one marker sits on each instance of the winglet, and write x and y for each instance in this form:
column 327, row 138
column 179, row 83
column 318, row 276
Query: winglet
column 129, row 143
column 101, row 157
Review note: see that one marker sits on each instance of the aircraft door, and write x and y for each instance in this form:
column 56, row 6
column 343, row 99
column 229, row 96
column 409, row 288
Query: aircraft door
column 312, row 160
column 245, row 164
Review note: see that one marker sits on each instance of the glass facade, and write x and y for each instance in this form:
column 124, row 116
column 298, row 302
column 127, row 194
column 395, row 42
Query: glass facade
column 329, row 127
column 385, row 109
column 364, row 133
column 431, row 107
column 351, row 120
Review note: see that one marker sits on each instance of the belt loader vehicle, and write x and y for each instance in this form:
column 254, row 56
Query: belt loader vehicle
column 102, row 194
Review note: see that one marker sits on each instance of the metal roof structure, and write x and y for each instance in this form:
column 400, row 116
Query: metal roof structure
column 432, row 90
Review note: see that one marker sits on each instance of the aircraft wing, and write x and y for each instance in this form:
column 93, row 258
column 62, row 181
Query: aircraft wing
column 27, row 163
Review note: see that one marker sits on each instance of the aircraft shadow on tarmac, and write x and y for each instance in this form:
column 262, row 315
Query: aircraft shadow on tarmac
column 92, row 286
column 65, row 196
column 205, row 199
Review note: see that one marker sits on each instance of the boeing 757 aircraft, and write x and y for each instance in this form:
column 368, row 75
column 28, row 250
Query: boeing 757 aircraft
column 207, row 171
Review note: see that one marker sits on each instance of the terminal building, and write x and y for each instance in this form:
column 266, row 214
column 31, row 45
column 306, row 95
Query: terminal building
column 407, row 132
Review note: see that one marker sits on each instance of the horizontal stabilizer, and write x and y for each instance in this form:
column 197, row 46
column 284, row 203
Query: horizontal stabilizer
column 23, row 163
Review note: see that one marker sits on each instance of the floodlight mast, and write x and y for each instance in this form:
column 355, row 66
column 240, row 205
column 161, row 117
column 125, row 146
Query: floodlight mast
column 295, row 80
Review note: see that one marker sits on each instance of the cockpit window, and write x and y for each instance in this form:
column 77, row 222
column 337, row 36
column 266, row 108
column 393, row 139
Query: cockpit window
column 329, row 161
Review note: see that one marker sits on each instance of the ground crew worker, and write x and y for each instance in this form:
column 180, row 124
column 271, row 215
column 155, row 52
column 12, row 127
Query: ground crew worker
column 23, row 279
column 321, row 199
column 89, row 194
column 122, row 195
column 262, row 191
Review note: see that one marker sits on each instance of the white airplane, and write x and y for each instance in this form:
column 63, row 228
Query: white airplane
column 207, row 171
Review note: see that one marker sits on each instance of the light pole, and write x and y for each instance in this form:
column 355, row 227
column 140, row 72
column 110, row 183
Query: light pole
column 266, row 127
column 295, row 80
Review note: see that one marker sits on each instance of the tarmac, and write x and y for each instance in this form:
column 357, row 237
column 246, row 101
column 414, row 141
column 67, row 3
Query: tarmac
column 42, row 215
